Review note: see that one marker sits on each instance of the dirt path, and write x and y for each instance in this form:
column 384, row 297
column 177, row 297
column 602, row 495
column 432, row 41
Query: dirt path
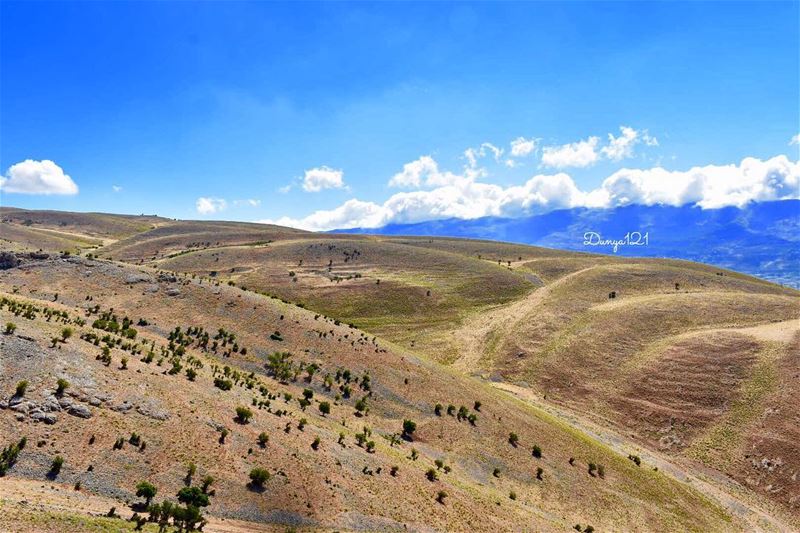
column 718, row 488
column 473, row 337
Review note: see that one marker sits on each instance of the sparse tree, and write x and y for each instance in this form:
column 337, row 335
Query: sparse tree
column 259, row 476
column 22, row 386
column 66, row 333
column 61, row 385
column 243, row 414
column 147, row 491
column 537, row 451
column 409, row 427
column 55, row 466
column 325, row 408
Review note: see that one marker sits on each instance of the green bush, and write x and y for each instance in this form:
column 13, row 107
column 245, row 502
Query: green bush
column 243, row 414
column 22, row 386
column 259, row 476
column 147, row 491
column 61, row 385
column 409, row 427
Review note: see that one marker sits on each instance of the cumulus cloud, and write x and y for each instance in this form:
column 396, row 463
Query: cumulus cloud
column 522, row 147
column 37, row 177
column 317, row 179
column 209, row 206
column 578, row 154
column 619, row 148
column 422, row 172
column 710, row 186
column 794, row 140
column 474, row 154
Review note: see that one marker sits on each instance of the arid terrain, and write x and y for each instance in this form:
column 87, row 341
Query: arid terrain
column 284, row 380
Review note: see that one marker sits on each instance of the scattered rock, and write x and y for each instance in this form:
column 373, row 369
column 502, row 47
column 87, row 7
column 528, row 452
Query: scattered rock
column 79, row 410
column 167, row 278
column 138, row 278
column 47, row 418
column 8, row 260
column 173, row 291
column 123, row 407
column 152, row 411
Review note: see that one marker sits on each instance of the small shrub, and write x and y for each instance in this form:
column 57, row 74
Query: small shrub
column 539, row 473
column 409, row 427
column 325, row 408
column 315, row 444
column 66, row 333
column 537, row 451
column 431, row 474
column 147, row 491
column 55, row 466
column 10, row 328
column 512, row 495
column 513, row 439
column 61, row 385
column 440, row 496
column 259, row 476
column 243, row 414
column 263, row 439
column 22, row 386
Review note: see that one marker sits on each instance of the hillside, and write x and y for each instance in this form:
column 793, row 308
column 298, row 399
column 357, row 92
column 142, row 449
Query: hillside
column 759, row 238
column 690, row 368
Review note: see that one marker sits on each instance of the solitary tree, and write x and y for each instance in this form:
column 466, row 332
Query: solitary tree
column 147, row 491
column 409, row 427
column 61, row 386
column 259, row 476
column 66, row 333
column 22, row 386
column 325, row 408
column 243, row 414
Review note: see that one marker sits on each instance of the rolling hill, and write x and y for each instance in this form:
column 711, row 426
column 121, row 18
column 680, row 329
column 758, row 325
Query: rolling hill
column 547, row 388
column 760, row 238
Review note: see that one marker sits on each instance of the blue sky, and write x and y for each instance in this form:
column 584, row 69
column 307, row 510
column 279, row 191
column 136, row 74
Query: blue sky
column 149, row 107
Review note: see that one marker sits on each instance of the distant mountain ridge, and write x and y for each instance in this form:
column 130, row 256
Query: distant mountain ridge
column 761, row 239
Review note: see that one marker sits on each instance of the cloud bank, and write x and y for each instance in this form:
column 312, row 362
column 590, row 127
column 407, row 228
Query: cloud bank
column 463, row 196
column 37, row 177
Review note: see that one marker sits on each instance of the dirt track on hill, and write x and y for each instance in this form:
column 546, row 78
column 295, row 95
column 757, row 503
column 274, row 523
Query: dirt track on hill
column 473, row 336
column 717, row 488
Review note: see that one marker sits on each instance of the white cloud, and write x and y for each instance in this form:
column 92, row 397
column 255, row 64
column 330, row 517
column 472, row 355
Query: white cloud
column 422, row 172
column 209, row 206
column 711, row 186
column 317, row 179
column 794, row 140
column 116, row 188
column 37, row 177
column 474, row 154
column 522, row 147
column 285, row 189
column 619, row 148
column 578, row 154
column 252, row 202
column 463, row 197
